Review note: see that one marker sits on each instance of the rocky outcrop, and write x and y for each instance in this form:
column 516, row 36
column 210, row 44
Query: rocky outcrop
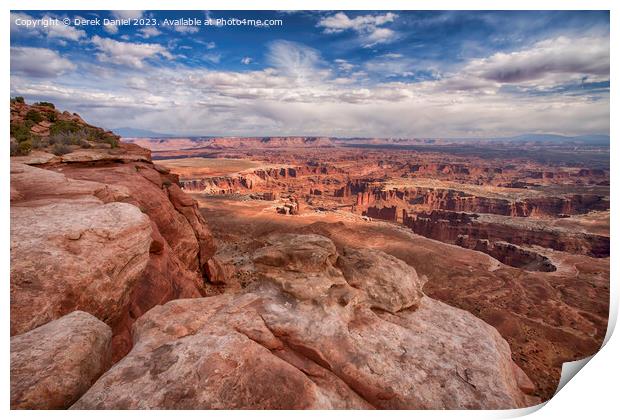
column 181, row 241
column 429, row 199
column 451, row 227
column 510, row 254
column 113, row 237
column 54, row 364
column 72, row 247
column 302, row 336
column 375, row 273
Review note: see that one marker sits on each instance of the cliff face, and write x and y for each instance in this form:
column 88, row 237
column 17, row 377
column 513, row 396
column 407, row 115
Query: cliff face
column 429, row 199
column 463, row 228
column 102, row 230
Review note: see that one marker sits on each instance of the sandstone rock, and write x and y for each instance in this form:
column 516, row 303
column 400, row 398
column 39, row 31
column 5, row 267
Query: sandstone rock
column 282, row 346
column 390, row 283
column 40, row 130
column 70, row 250
column 181, row 241
column 302, row 265
column 89, row 155
column 36, row 157
column 54, row 364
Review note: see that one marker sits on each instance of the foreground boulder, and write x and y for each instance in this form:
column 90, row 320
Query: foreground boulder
column 390, row 283
column 181, row 241
column 54, row 364
column 70, row 249
column 111, row 235
column 293, row 340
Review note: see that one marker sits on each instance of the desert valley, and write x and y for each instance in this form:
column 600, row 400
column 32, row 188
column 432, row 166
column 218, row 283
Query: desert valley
column 300, row 272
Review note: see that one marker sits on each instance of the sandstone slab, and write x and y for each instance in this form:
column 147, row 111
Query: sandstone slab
column 280, row 346
column 54, row 364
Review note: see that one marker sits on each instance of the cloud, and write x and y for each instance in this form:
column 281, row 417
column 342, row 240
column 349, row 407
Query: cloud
column 38, row 62
column 209, row 45
column 57, row 31
column 148, row 32
column 344, row 65
column 294, row 59
column 367, row 26
column 186, row 29
column 246, row 60
column 297, row 93
column 110, row 28
column 551, row 59
column 127, row 14
column 390, row 65
column 271, row 102
column 127, row 53
column 213, row 58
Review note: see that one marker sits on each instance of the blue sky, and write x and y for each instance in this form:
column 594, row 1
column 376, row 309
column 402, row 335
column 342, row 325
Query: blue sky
column 351, row 73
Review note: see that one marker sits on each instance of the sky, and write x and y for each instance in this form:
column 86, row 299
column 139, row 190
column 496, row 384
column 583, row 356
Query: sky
column 398, row 74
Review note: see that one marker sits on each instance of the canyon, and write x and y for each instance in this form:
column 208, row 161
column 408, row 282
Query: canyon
column 301, row 272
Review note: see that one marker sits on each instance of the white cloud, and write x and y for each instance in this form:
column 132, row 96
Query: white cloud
column 213, row 58
column 390, row 65
column 186, row 29
column 344, row 65
column 246, row 60
column 127, row 14
column 127, row 53
column 296, row 60
column 38, row 62
column 367, row 26
column 57, row 31
column 148, row 32
column 551, row 60
column 298, row 95
column 111, row 28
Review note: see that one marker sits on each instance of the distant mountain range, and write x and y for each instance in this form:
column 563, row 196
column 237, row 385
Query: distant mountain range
column 596, row 139
column 589, row 138
column 137, row 132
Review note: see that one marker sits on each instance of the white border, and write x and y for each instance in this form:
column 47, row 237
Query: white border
column 592, row 394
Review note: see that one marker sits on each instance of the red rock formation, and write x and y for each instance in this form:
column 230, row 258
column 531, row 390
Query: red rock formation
column 64, row 234
column 446, row 199
column 302, row 337
column 449, row 226
column 54, row 364
column 390, row 213
column 177, row 267
column 169, row 235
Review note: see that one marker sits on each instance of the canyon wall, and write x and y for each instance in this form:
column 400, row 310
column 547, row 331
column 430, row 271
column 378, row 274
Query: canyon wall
column 453, row 227
column 159, row 254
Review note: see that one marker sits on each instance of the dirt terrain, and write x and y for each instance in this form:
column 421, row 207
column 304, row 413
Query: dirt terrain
column 522, row 245
column 294, row 273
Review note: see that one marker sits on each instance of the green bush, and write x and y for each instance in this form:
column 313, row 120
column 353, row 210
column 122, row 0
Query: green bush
column 20, row 132
column 47, row 104
column 24, row 148
column 64, row 127
column 64, row 138
column 36, row 142
column 34, row 116
column 18, row 99
column 60, row 149
column 111, row 140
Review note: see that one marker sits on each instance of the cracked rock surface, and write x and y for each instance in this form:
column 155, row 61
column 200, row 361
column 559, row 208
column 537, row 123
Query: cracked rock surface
column 318, row 343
